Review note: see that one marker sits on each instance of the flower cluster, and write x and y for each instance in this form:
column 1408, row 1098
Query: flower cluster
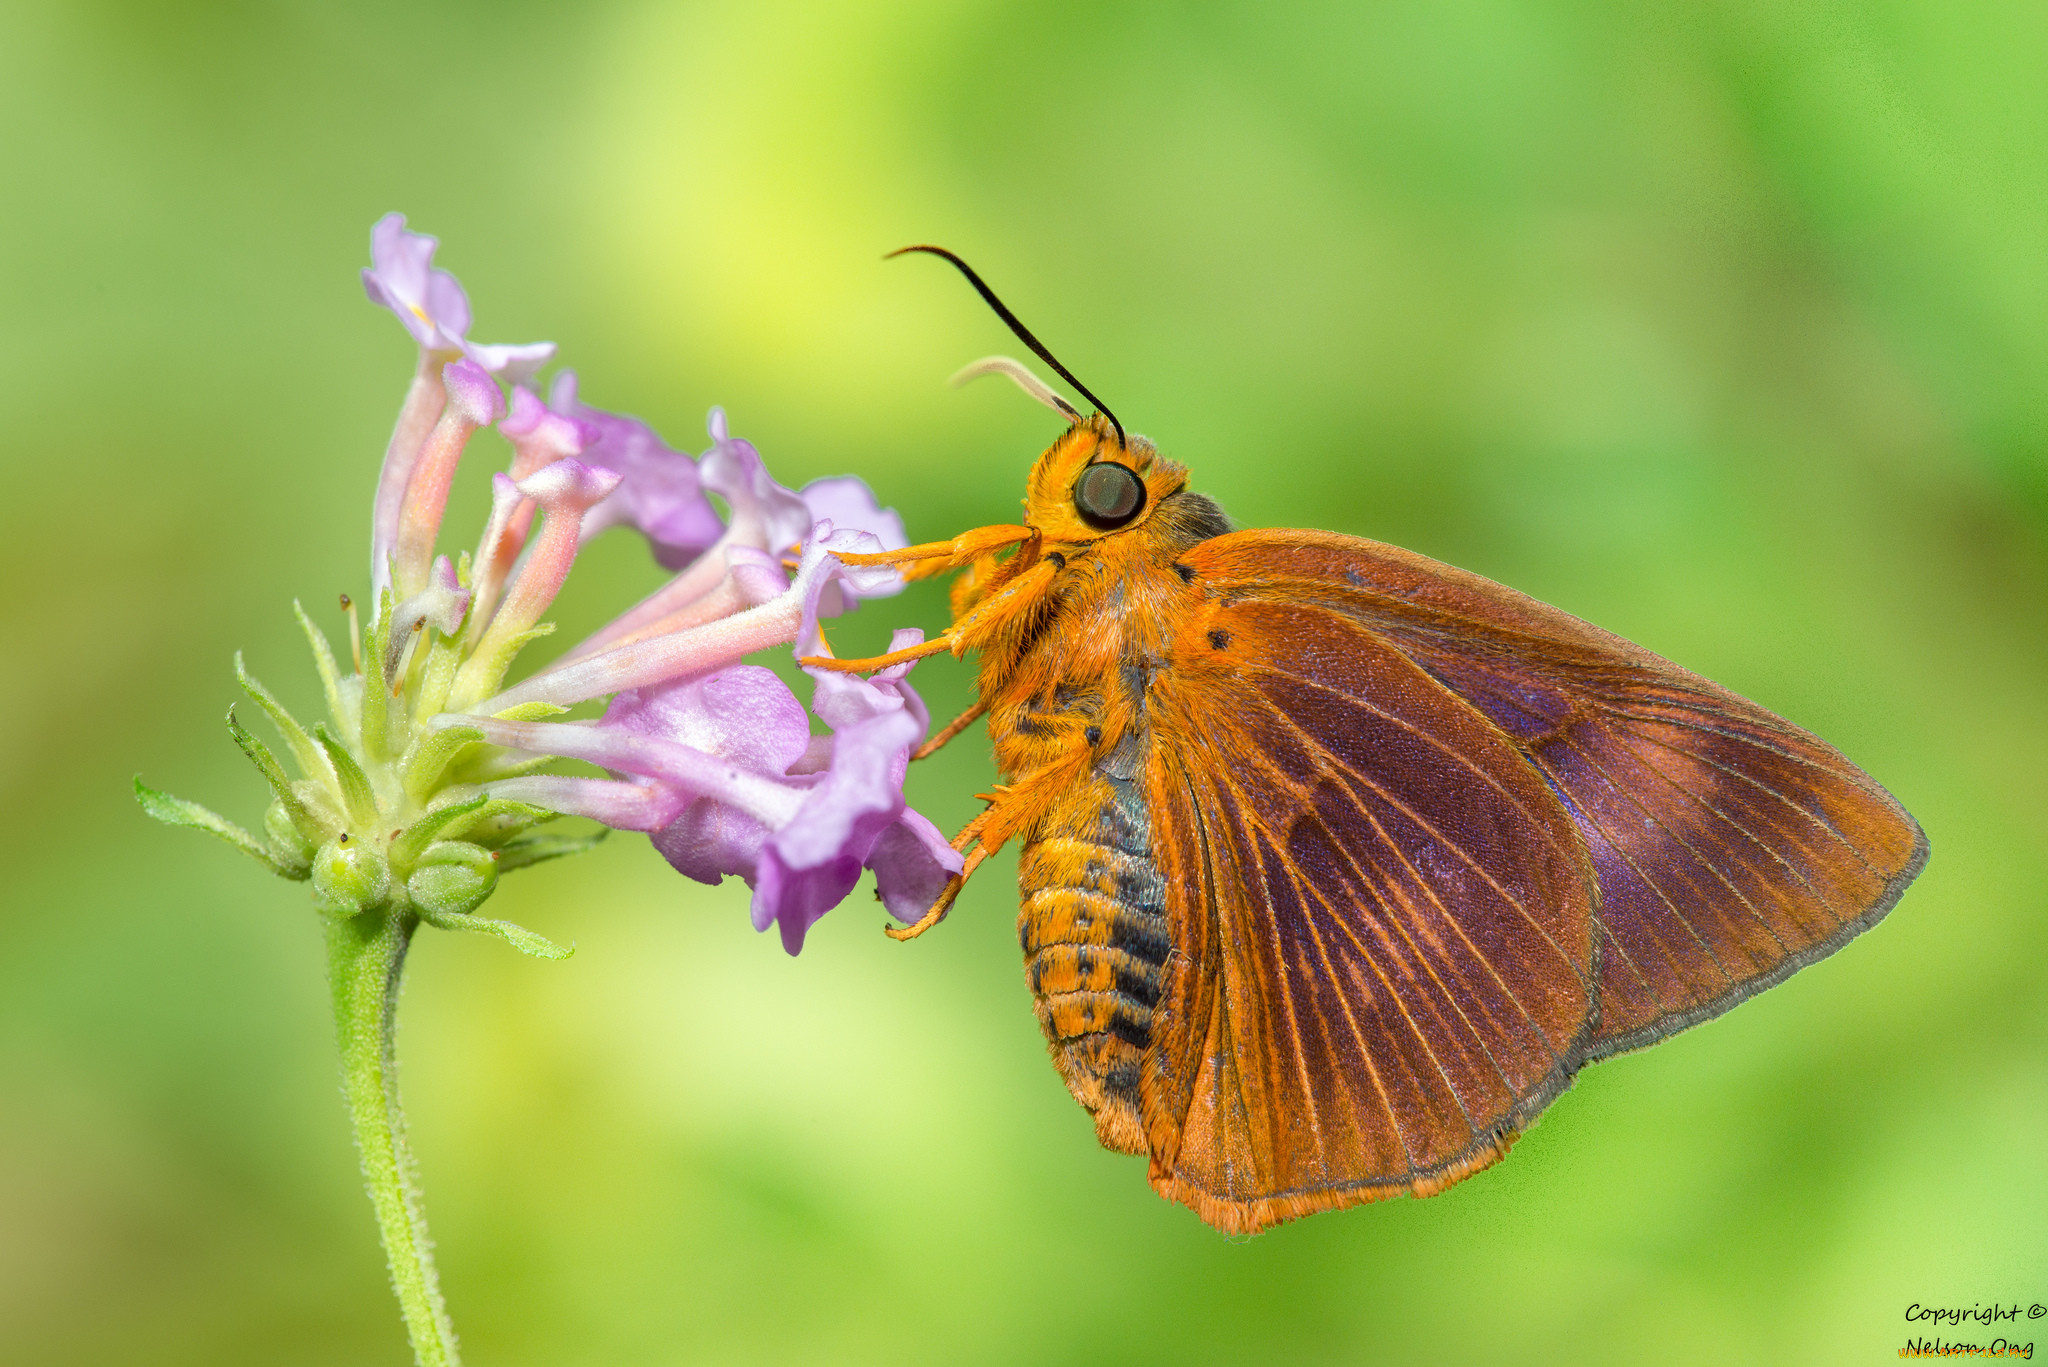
column 432, row 773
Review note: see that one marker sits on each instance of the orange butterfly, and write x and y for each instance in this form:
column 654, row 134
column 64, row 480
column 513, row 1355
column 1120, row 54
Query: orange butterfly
column 1339, row 863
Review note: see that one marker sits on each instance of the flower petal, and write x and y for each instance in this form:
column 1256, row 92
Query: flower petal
column 913, row 862
column 710, row 839
column 512, row 364
column 848, row 503
column 401, row 277
column 843, row 700
column 660, row 492
column 745, row 714
column 798, row 898
column 862, row 793
column 764, row 514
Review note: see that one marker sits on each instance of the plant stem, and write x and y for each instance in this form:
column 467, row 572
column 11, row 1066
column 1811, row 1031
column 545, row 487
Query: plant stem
column 365, row 956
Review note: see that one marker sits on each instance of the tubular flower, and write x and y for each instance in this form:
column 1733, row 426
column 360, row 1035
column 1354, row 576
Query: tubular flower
column 717, row 763
column 420, row 788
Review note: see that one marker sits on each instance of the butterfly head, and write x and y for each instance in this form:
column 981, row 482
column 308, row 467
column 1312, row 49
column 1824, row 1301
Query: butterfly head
column 1095, row 482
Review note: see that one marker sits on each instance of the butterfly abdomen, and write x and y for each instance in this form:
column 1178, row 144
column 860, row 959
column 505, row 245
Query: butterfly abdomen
column 1094, row 934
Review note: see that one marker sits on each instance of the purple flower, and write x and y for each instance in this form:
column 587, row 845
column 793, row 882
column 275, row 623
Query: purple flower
column 766, row 517
column 763, row 513
column 512, row 364
column 712, row 757
column 402, row 278
column 431, row 304
column 433, row 308
column 720, row 767
column 724, row 775
column 659, row 490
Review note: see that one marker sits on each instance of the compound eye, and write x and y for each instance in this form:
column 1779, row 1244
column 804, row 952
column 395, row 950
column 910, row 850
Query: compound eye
column 1107, row 496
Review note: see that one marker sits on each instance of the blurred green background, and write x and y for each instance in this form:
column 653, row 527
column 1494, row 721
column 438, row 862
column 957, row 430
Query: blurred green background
column 1724, row 325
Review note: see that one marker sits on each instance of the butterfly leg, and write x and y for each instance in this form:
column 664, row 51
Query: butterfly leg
column 937, row 645
column 969, row 835
column 953, row 728
column 943, row 905
column 970, row 631
column 936, row 557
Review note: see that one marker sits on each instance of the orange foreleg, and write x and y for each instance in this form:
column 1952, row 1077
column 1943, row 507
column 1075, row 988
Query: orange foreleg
column 1010, row 810
column 953, row 728
column 936, row 557
column 943, row 905
column 965, row 634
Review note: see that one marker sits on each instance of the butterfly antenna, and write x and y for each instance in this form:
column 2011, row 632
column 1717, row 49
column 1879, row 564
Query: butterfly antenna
column 1023, row 333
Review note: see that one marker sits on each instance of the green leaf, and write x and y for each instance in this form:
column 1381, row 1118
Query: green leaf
column 519, row 937
column 538, row 849
column 176, row 811
column 311, row 761
column 355, row 784
column 485, row 820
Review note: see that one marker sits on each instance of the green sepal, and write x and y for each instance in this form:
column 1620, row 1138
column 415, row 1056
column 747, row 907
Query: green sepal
column 430, row 758
column 407, row 849
column 495, row 767
column 519, row 937
column 481, row 676
column 529, row 850
column 497, row 821
column 453, row 879
column 437, row 678
column 311, row 762
column 376, row 701
column 274, row 774
column 355, row 784
column 176, row 811
column 350, row 877
column 346, row 717
column 288, row 844
column 530, row 711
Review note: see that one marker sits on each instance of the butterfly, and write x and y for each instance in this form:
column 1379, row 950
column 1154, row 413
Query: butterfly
column 1338, row 863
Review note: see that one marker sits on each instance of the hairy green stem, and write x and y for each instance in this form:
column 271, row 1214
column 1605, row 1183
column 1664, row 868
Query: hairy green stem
column 365, row 957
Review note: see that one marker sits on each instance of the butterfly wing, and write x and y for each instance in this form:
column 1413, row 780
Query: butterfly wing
column 1729, row 848
column 1733, row 848
column 1383, row 921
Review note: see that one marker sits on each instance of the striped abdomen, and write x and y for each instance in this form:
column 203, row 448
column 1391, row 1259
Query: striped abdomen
column 1093, row 929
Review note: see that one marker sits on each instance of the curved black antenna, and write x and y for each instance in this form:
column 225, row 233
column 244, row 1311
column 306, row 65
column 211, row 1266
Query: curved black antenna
column 1023, row 333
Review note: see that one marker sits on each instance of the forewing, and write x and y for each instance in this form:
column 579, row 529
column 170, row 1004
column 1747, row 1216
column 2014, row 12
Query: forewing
column 1382, row 920
column 1732, row 848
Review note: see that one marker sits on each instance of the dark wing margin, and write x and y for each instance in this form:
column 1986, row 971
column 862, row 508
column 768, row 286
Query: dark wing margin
column 1732, row 848
column 1382, row 920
